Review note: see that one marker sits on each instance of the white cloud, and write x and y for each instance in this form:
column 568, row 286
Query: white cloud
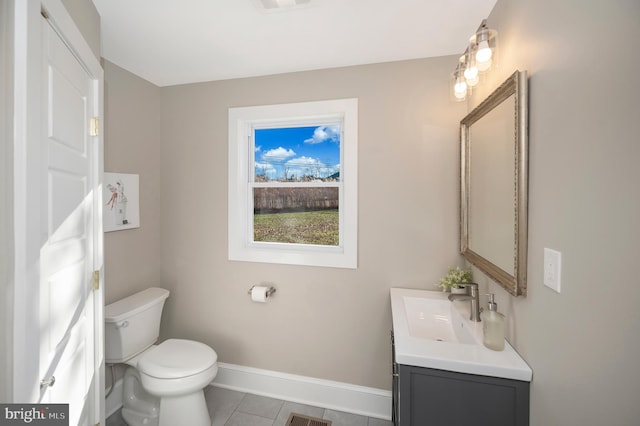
column 305, row 161
column 305, row 166
column 324, row 133
column 266, row 169
column 279, row 155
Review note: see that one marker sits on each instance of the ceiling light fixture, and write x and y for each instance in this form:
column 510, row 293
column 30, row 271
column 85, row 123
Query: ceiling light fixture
column 479, row 57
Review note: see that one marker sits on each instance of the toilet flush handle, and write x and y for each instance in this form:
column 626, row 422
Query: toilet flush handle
column 123, row 324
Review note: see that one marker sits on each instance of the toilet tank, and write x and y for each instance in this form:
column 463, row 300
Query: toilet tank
column 132, row 324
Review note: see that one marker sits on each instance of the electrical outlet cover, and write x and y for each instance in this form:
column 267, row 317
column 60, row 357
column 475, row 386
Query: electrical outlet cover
column 552, row 269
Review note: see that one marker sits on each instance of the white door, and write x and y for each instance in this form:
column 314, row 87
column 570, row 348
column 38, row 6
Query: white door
column 70, row 178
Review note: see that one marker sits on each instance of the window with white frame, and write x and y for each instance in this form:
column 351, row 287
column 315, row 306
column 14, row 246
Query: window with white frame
column 293, row 183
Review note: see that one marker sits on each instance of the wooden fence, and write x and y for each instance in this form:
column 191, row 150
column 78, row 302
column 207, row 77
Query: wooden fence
column 280, row 200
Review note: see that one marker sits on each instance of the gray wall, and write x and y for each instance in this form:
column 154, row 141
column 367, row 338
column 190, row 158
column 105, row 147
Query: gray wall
column 582, row 344
column 132, row 145
column 323, row 322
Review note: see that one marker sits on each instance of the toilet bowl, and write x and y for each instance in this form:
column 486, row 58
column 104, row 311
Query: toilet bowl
column 176, row 371
column 164, row 384
column 138, row 406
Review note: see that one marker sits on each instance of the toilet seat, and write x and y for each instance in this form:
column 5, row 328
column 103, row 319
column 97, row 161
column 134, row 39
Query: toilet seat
column 177, row 358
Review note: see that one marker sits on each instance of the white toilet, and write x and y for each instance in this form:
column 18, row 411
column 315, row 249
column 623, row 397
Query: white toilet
column 164, row 384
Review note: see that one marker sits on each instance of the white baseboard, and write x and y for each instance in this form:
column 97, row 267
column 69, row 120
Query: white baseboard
column 370, row 402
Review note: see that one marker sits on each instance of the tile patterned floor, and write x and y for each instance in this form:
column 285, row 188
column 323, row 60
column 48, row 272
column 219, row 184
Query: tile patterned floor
column 231, row 408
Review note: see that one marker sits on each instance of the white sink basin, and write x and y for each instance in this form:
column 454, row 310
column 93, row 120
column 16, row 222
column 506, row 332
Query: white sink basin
column 431, row 331
column 436, row 319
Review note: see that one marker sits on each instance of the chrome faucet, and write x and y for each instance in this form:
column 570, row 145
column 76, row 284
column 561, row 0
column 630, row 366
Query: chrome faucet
column 473, row 296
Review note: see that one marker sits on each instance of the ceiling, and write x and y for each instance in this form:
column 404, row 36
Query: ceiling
column 169, row 42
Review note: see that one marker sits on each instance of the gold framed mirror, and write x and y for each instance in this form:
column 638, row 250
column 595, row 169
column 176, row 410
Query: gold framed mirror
column 494, row 185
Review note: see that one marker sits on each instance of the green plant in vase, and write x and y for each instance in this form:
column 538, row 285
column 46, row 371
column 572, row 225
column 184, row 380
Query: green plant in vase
column 454, row 277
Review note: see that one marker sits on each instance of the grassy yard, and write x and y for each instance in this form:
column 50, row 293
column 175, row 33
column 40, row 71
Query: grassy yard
column 316, row 227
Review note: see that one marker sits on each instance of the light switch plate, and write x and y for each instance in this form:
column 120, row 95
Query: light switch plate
column 552, row 269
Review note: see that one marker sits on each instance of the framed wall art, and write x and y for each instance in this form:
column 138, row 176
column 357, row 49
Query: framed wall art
column 121, row 208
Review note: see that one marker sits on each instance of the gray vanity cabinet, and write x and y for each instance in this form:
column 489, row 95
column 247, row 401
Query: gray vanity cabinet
column 430, row 397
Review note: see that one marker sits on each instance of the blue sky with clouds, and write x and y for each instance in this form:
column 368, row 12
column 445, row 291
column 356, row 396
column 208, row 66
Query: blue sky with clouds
column 301, row 151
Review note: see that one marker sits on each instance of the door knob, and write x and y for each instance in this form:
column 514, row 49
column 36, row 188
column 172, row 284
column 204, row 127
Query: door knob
column 48, row 382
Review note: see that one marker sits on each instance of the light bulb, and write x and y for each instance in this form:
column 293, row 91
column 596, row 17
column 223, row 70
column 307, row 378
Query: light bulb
column 460, row 89
column 484, row 52
column 471, row 75
column 483, row 66
column 483, row 56
column 483, row 45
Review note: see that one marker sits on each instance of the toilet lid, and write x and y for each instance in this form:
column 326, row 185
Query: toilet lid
column 176, row 358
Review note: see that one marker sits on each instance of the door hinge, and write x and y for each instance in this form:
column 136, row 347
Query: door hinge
column 94, row 126
column 96, row 280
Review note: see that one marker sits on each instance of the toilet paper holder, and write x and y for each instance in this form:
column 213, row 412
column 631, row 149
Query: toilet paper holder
column 270, row 291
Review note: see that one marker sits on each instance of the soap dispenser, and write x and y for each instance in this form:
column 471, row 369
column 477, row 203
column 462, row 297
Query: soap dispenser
column 493, row 326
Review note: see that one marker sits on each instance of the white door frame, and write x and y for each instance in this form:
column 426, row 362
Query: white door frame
column 27, row 184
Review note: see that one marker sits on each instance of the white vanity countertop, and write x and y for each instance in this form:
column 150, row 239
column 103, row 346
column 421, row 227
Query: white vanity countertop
column 472, row 358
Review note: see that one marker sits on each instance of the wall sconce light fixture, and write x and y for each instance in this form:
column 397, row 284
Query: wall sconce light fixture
column 479, row 57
